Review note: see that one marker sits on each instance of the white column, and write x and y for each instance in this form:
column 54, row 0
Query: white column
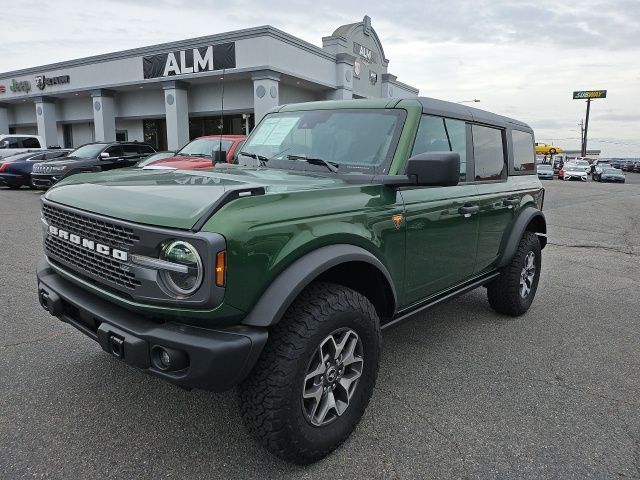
column 4, row 118
column 266, row 92
column 46, row 120
column 104, row 116
column 344, row 78
column 176, row 104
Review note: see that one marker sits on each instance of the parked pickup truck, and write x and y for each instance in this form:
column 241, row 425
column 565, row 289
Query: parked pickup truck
column 278, row 275
column 12, row 144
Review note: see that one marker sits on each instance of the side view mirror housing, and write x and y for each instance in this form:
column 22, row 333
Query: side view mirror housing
column 219, row 156
column 104, row 155
column 430, row 169
column 435, row 169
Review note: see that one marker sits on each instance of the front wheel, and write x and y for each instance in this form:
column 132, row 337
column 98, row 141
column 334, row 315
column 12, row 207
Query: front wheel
column 514, row 290
column 316, row 374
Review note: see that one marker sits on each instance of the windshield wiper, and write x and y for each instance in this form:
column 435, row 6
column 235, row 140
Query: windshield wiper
column 260, row 158
column 315, row 161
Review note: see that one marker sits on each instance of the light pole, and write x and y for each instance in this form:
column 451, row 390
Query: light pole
column 475, row 100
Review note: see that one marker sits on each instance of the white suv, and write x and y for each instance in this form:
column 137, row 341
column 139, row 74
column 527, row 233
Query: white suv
column 12, row 144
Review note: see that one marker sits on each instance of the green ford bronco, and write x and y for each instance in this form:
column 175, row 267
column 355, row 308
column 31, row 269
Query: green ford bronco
column 278, row 275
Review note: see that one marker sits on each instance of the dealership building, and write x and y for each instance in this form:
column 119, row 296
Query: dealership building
column 168, row 94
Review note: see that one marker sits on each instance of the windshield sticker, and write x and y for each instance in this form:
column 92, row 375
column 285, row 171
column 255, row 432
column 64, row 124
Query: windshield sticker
column 273, row 131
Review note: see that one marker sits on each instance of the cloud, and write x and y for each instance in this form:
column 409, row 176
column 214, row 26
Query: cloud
column 521, row 58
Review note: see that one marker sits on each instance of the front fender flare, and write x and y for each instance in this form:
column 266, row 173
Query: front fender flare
column 277, row 298
column 527, row 215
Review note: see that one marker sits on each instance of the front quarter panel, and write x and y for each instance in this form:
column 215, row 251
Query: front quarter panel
column 266, row 234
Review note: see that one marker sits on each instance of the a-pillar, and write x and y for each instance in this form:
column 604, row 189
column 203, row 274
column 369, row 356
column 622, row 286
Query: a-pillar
column 104, row 115
column 4, row 118
column 344, row 78
column 266, row 92
column 46, row 120
column 176, row 104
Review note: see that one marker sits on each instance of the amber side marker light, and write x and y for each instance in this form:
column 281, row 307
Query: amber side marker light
column 221, row 268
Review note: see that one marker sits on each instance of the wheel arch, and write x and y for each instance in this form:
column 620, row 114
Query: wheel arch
column 343, row 264
column 530, row 220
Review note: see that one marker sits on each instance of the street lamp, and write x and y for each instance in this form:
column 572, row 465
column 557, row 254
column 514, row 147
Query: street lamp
column 475, row 100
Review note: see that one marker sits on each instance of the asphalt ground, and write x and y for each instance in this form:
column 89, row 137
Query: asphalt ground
column 462, row 391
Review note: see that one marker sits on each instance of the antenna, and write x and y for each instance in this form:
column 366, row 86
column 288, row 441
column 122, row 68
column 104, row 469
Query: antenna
column 222, row 113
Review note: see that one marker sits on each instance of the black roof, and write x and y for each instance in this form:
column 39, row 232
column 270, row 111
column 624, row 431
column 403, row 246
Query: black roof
column 464, row 112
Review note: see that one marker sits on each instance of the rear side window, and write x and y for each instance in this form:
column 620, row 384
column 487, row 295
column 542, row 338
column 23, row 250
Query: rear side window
column 437, row 134
column 51, row 155
column 146, row 149
column 30, row 142
column 115, row 151
column 524, row 159
column 130, row 150
column 488, row 153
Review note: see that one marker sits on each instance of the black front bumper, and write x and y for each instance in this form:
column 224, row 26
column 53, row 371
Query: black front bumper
column 209, row 359
column 43, row 180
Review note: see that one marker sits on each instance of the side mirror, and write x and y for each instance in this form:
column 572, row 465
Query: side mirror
column 104, row 155
column 435, row 169
column 219, row 156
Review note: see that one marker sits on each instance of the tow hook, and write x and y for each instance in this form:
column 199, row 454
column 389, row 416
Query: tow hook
column 116, row 346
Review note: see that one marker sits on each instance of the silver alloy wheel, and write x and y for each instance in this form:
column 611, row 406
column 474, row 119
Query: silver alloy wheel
column 527, row 274
column 332, row 377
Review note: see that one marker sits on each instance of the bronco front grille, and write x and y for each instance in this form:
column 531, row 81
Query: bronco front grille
column 91, row 262
column 87, row 227
column 85, row 261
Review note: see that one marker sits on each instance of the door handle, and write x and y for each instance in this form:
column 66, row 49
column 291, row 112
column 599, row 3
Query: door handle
column 469, row 210
column 511, row 202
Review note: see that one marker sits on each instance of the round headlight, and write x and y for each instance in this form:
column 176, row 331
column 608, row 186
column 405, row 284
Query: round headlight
column 182, row 253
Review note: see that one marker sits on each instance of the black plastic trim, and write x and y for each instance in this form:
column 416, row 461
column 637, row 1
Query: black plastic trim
column 518, row 229
column 218, row 359
column 446, row 296
column 287, row 286
column 226, row 197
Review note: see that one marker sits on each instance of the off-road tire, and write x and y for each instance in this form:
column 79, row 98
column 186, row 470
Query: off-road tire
column 271, row 397
column 504, row 292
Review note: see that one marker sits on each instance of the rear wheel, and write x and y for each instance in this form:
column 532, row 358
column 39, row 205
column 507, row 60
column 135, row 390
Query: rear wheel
column 13, row 187
column 514, row 290
column 316, row 374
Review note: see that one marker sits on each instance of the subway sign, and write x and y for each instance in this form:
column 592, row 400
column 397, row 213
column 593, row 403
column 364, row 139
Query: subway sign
column 586, row 94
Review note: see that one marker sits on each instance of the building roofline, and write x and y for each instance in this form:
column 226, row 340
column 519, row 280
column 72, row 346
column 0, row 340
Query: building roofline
column 178, row 45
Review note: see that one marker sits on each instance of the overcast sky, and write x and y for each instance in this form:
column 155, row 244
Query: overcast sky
column 521, row 58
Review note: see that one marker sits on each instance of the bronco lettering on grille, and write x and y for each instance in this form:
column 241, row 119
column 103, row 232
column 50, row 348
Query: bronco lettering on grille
column 89, row 244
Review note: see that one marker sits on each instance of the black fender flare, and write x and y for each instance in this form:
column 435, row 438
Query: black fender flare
column 527, row 215
column 277, row 298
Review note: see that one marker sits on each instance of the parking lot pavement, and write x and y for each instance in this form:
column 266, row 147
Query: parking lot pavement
column 462, row 391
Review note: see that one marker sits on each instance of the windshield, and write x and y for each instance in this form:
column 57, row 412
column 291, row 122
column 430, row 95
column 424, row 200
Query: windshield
column 204, row 147
column 87, row 151
column 582, row 162
column 362, row 140
column 612, row 171
column 574, row 167
column 544, row 167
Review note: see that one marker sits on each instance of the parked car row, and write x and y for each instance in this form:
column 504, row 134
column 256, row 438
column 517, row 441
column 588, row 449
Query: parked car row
column 600, row 170
column 42, row 168
column 15, row 170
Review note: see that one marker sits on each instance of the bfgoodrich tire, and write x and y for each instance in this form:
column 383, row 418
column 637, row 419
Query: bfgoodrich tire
column 316, row 374
column 514, row 290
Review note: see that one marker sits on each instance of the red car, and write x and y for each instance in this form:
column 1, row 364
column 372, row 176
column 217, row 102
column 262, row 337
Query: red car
column 198, row 153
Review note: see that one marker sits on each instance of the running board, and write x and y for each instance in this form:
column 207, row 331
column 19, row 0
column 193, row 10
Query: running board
column 448, row 296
